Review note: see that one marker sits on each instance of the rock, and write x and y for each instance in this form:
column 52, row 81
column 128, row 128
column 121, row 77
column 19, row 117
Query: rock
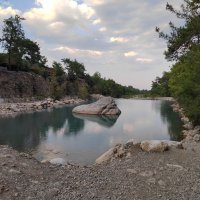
column 133, row 143
column 196, row 138
column 185, row 119
column 106, row 156
column 118, row 151
column 58, row 161
column 173, row 144
column 146, row 174
column 104, row 106
column 14, row 171
column 154, row 146
column 161, row 183
column 132, row 171
column 175, row 166
column 188, row 126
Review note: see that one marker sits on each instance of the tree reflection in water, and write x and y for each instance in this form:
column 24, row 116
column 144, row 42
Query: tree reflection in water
column 172, row 119
column 26, row 131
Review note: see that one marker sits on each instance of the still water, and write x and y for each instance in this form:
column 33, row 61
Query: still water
column 81, row 139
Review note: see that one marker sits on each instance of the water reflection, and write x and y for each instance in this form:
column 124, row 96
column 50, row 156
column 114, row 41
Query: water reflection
column 26, row 131
column 170, row 117
column 82, row 138
column 106, row 121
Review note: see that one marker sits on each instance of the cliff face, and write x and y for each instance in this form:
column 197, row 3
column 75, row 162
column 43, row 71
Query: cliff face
column 22, row 85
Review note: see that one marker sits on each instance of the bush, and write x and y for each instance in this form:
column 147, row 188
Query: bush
column 83, row 92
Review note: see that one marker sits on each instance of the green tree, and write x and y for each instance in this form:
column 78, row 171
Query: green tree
column 30, row 51
column 185, row 83
column 181, row 39
column 160, row 87
column 74, row 68
column 12, row 36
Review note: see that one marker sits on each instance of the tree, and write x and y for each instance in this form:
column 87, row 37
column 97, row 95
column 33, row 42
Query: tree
column 30, row 51
column 185, row 83
column 75, row 69
column 12, row 36
column 160, row 87
column 181, row 39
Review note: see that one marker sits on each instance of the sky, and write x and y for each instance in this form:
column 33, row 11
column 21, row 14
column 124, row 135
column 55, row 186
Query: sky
column 114, row 37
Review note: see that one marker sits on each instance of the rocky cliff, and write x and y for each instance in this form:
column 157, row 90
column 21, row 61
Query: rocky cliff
column 22, row 85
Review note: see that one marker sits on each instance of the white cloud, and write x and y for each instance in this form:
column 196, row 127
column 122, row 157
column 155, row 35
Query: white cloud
column 78, row 51
column 118, row 39
column 7, row 12
column 97, row 21
column 102, row 29
column 144, row 60
column 130, row 54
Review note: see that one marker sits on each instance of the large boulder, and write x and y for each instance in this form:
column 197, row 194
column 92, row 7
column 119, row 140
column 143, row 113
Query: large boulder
column 154, row 146
column 104, row 106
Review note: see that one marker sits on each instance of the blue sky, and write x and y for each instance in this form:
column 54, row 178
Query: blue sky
column 114, row 37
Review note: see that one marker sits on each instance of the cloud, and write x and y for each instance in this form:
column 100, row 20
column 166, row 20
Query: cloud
column 130, row 54
column 97, row 21
column 118, row 39
column 102, row 29
column 144, row 60
column 78, row 51
column 7, row 12
column 102, row 34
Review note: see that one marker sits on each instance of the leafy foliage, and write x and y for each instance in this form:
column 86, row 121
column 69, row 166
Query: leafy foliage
column 185, row 83
column 160, row 86
column 181, row 39
column 184, row 47
column 21, row 52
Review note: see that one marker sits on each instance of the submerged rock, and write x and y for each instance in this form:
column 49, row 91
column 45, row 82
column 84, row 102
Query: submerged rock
column 104, row 106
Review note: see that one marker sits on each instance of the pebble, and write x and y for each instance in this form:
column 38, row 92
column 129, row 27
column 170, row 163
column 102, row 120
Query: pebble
column 14, row 171
column 132, row 171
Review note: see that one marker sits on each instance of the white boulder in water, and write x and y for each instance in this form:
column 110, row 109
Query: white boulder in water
column 104, row 106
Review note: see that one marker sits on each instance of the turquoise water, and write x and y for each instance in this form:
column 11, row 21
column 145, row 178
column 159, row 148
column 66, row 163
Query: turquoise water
column 81, row 139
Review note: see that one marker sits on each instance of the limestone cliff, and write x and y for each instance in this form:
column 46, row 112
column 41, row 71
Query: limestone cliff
column 22, row 85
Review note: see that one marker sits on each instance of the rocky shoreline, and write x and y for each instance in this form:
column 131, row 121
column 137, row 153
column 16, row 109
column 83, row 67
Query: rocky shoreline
column 190, row 132
column 12, row 109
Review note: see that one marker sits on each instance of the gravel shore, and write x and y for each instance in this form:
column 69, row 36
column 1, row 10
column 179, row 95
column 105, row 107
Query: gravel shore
column 173, row 174
column 12, row 109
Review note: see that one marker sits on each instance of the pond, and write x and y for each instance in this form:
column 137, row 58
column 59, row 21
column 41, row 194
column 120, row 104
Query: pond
column 81, row 139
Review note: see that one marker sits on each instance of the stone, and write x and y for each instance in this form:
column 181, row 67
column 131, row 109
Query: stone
column 14, row 171
column 173, row 144
column 161, row 183
column 106, row 156
column 118, row 151
column 188, row 126
column 154, row 146
column 133, row 143
column 175, row 166
column 132, row 171
column 104, row 106
column 57, row 161
column 196, row 138
column 146, row 174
